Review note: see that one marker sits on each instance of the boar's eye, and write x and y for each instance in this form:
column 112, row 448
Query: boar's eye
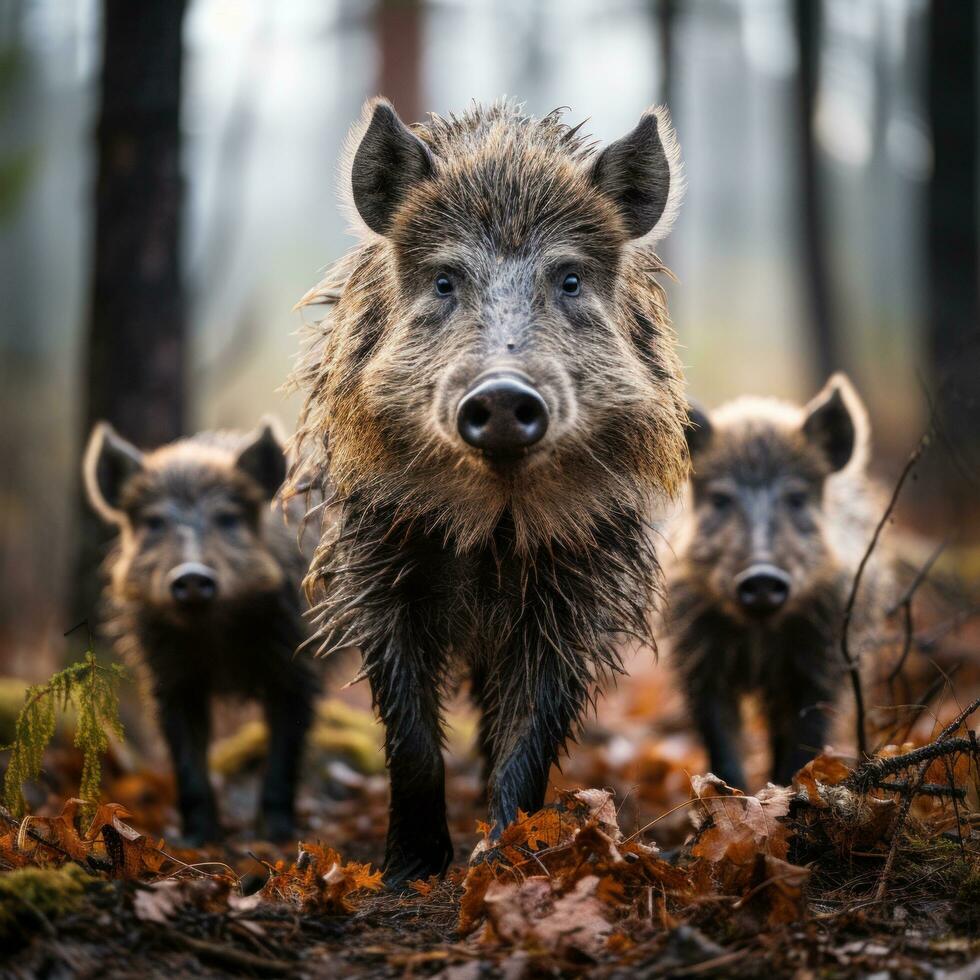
column 228, row 520
column 796, row 500
column 444, row 285
column 571, row 285
column 720, row 500
column 153, row 523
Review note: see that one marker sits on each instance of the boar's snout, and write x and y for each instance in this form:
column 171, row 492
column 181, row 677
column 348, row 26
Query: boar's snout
column 502, row 414
column 193, row 584
column 762, row 589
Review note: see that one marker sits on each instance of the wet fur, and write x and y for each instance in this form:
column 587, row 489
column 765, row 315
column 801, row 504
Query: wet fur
column 438, row 566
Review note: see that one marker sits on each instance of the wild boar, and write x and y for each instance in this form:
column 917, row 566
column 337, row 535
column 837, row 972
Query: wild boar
column 203, row 593
column 779, row 511
column 496, row 398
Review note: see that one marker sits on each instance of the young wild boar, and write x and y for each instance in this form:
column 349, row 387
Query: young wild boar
column 779, row 512
column 496, row 398
column 204, row 595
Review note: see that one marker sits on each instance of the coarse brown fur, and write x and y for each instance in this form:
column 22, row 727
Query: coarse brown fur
column 524, row 574
column 203, row 503
column 774, row 485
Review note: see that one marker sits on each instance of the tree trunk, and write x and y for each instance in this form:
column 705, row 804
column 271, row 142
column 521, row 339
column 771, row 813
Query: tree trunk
column 134, row 376
column 665, row 15
column 953, row 303
column 399, row 30
column 813, row 253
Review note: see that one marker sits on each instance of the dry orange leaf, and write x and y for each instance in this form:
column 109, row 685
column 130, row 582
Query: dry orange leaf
column 735, row 827
column 320, row 880
column 825, row 770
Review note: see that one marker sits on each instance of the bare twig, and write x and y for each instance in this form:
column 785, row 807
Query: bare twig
column 943, row 746
column 850, row 660
column 944, row 678
column 905, row 604
column 875, row 770
column 920, row 577
column 904, row 786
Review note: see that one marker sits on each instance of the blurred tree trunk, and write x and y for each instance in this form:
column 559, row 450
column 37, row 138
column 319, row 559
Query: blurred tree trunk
column 818, row 289
column 953, row 302
column 665, row 14
column 398, row 24
column 134, row 375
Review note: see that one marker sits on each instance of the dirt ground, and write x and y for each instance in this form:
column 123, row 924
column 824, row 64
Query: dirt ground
column 656, row 871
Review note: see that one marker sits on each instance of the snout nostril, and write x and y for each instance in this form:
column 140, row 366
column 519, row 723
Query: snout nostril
column 478, row 415
column 196, row 584
column 503, row 414
column 762, row 589
column 527, row 412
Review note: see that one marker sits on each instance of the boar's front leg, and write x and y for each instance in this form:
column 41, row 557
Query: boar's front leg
column 289, row 713
column 716, row 715
column 798, row 727
column 802, row 684
column 533, row 701
column 798, row 731
column 405, row 687
column 185, row 718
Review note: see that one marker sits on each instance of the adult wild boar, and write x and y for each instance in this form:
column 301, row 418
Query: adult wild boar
column 779, row 512
column 203, row 594
column 496, row 398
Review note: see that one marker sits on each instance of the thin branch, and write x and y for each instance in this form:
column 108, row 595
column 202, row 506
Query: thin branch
column 850, row 660
column 905, row 604
column 920, row 576
column 874, row 772
column 904, row 786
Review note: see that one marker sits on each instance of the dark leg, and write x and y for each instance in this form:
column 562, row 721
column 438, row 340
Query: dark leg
column 803, row 682
column 407, row 696
column 718, row 720
column 799, row 732
column 534, row 715
column 185, row 718
column 289, row 713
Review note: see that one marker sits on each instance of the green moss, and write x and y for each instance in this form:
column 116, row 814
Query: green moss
column 31, row 898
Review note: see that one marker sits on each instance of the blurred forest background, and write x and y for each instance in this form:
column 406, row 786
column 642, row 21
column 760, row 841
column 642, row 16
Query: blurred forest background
column 168, row 190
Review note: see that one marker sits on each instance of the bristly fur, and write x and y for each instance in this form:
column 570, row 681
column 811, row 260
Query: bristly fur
column 752, row 446
column 528, row 178
column 529, row 579
column 244, row 644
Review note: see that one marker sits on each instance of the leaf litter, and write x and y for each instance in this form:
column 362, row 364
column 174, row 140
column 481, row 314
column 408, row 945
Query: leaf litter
column 659, row 869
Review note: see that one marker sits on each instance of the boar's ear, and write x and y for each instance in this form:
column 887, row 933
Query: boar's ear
column 388, row 160
column 263, row 458
column 642, row 173
column 698, row 429
column 109, row 462
column 837, row 423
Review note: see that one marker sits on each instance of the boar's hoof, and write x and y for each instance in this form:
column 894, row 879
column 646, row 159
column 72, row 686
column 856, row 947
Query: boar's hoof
column 277, row 827
column 402, row 867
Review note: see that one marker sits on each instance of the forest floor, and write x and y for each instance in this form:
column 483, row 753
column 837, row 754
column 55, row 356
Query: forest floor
column 640, row 866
